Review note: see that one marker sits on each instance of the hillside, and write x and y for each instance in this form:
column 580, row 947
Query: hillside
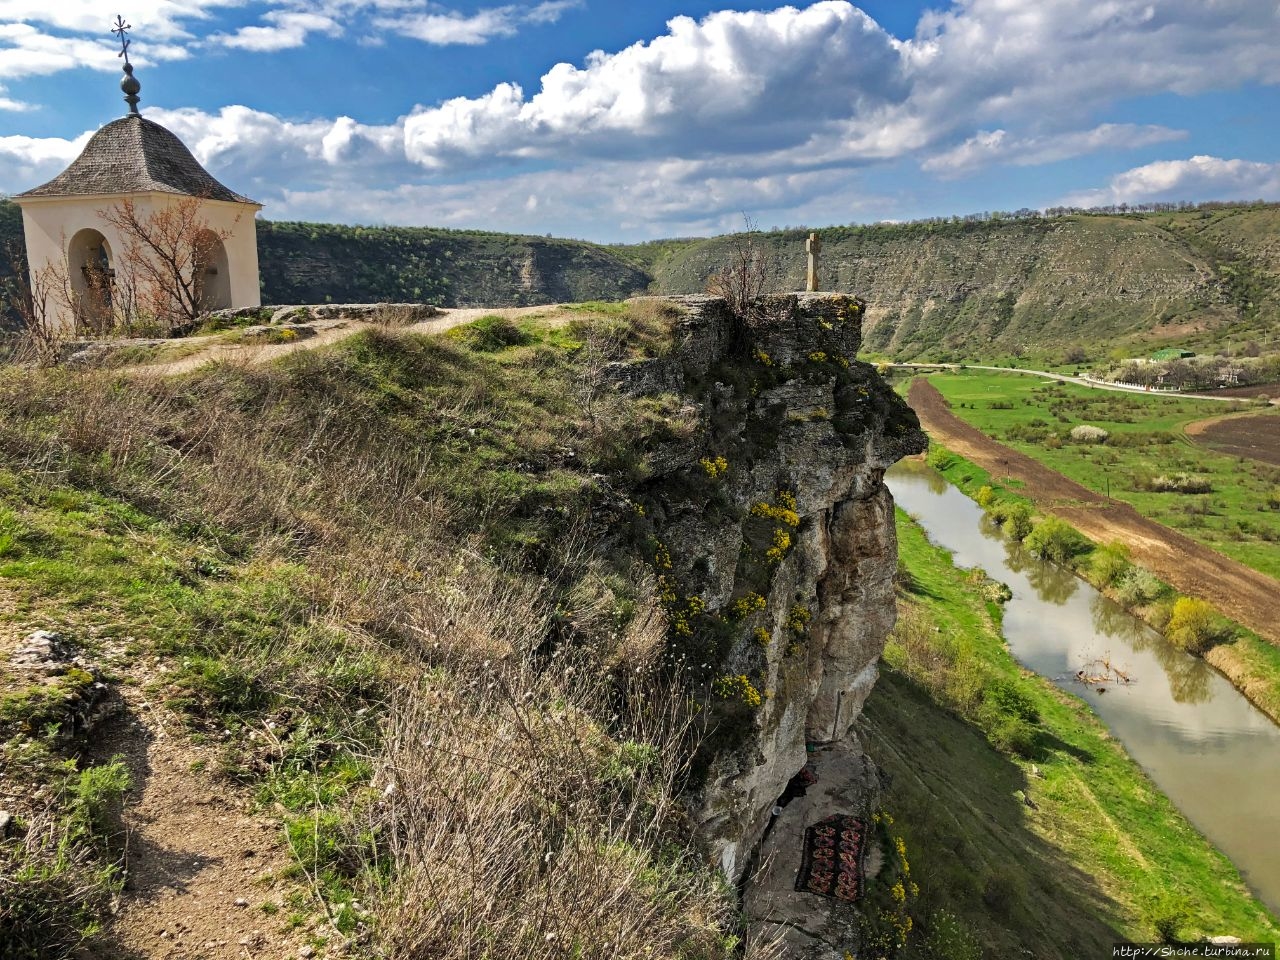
column 971, row 289
column 322, row 263
column 315, row 263
column 959, row 289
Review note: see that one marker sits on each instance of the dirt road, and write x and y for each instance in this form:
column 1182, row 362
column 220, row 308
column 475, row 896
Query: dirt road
column 1249, row 597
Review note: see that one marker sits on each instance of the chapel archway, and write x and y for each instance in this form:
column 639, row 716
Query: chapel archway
column 215, row 270
column 91, row 276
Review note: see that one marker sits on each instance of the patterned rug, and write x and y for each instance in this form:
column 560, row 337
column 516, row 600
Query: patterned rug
column 832, row 861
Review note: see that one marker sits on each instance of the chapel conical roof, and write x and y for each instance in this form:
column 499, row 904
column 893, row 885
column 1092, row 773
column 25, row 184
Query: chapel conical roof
column 135, row 155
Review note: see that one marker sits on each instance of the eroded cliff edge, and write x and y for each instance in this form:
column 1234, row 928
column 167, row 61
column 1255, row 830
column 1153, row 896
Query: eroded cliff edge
column 773, row 537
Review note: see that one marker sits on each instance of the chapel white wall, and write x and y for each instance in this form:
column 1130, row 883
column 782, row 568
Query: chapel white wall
column 49, row 224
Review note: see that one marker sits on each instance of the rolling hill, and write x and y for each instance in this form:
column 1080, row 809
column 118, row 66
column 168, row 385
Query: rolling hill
column 955, row 289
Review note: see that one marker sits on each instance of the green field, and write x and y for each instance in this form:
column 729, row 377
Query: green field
column 967, row 737
column 1239, row 516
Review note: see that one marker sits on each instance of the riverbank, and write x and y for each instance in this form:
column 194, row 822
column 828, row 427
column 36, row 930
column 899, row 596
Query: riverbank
column 1249, row 662
column 1044, row 836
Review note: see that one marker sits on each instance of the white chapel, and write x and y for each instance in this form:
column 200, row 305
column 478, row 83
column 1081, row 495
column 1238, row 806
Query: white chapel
column 138, row 159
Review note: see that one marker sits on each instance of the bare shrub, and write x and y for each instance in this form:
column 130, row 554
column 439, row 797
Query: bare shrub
column 745, row 278
column 1181, row 483
column 162, row 271
column 33, row 296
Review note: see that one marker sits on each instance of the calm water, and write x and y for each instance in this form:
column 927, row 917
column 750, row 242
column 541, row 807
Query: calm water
column 1211, row 751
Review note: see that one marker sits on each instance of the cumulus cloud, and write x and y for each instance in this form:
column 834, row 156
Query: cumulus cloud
column 1199, row 178
column 997, row 146
column 780, row 110
column 732, row 83
column 826, row 85
column 26, row 162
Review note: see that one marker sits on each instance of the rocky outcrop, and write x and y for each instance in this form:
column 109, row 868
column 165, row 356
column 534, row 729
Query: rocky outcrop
column 774, row 535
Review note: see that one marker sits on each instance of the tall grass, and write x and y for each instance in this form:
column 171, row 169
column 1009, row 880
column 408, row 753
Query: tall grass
column 406, row 566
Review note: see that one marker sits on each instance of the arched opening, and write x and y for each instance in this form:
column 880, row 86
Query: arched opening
column 214, row 270
column 91, row 274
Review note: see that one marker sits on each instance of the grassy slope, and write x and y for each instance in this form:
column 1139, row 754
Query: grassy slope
column 1236, row 519
column 1103, row 855
column 286, row 568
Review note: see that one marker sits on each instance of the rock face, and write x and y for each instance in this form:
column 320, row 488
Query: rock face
column 778, row 532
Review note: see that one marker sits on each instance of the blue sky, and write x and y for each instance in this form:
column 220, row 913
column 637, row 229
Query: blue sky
column 653, row 118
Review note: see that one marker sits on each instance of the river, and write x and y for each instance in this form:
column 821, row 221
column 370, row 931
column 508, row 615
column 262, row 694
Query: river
column 1214, row 754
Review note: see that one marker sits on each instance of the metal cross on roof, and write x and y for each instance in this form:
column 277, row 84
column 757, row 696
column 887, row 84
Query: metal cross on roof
column 120, row 29
column 129, row 83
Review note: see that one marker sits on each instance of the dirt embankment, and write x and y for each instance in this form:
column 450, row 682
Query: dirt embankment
column 1249, row 597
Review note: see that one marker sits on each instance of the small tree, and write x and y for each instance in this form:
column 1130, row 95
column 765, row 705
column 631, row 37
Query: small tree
column 745, row 278
column 163, row 268
column 32, row 295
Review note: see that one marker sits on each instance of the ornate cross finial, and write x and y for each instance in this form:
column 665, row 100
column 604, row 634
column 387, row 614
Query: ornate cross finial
column 120, row 29
column 128, row 83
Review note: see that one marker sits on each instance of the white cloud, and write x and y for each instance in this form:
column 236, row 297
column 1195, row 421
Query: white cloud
column 733, row 83
column 777, row 112
column 1018, row 81
column 996, row 146
column 10, row 105
column 451, row 27
column 612, row 199
column 27, row 162
column 1199, row 178
column 284, row 30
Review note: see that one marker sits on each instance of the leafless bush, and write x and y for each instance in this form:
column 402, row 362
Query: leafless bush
column 744, row 280
column 33, row 296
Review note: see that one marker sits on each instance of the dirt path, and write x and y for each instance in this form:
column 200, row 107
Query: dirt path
column 1065, row 378
column 1249, row 597
column 326, row 332
column 206, row 879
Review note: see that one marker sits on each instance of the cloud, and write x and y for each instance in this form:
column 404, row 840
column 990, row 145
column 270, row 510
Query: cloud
column 451, row 27
column 285, row 30
column 996, row 146
column 613, row 199
column 26, row 162
column 40, row 37
column 10, row 105
column 1013, row 81
column 1199, row 178
column 780, row 112
column 733, row 83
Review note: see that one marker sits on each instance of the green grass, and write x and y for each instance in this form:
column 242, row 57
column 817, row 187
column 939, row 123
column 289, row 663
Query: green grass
column 1146, row 442
column 1248, row 661
column 282, row 539
column 1102, row 856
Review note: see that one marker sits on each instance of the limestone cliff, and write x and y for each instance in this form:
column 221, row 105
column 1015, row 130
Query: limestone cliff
column 774, row 536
